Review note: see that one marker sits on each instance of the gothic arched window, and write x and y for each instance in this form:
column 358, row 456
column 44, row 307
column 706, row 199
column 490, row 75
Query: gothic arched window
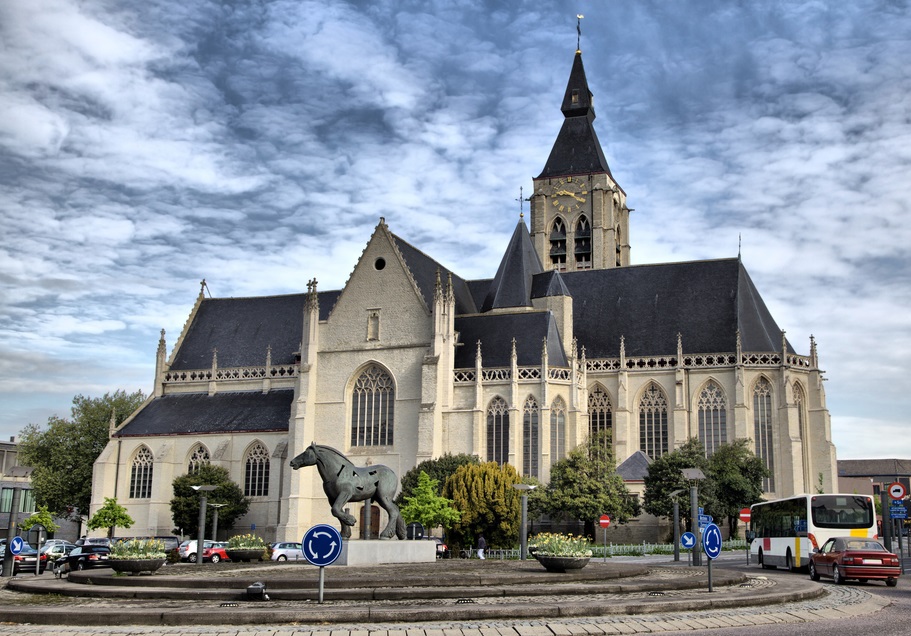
column 800, row 403
column 557, row 431
column 712, row 418
column 372, row 408
column 762, row 430
column 141, row 474
column 198, row 457
column 600, row 413
column 530, row 438
column 256, row 472
column 583, row 244
column 498, row 431
column 558, row 245
column 653, row 437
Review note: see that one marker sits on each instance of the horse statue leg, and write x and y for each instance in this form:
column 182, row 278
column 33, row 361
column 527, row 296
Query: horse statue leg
column 385, row 488
column 338, row 511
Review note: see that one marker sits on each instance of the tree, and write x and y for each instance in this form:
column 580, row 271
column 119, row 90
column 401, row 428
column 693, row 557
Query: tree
column 665, row 476
column 111, row 515
column 63, row 452
column 42, row 517
column 483, row 493
column 427, row 507
column 585, row 485
column 734, row 481
column 438, row 470
column 185, row 504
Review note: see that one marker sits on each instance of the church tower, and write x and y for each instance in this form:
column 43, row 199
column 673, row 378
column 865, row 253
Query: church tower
column 579, row 218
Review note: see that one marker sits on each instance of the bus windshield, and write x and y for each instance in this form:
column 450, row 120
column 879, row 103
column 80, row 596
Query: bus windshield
column 841, row 511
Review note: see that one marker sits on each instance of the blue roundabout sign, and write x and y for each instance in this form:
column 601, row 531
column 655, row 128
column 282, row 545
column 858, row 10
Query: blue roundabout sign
column 711, row 541
column 322, row 545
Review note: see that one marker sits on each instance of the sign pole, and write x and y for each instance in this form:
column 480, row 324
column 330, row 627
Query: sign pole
column 322, row 581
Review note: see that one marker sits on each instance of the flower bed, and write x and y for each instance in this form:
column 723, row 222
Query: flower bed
column 560, row 552
column 246, row 547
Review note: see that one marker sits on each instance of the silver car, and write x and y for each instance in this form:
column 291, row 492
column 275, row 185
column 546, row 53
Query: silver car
column 287, row 552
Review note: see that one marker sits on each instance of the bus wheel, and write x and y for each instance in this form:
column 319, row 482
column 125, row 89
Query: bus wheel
column 763, row 563
column 789, row 562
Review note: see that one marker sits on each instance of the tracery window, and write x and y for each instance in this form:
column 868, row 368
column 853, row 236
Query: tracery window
column 557, row 431
column 530, row 437
column 256, row 474
column 141, row 474
column 653, row 436
column 373, row 408
column 762, row 430
column 198, row 457
column 600, row 413
column 583, row 244
column 558, row 245
column 712, row 418
column 498, row 431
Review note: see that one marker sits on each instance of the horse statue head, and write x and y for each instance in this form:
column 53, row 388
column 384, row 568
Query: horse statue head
column 307, row 458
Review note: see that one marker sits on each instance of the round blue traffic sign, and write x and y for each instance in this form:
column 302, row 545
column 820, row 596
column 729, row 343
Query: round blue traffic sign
column 711, row 541
column 322, row 545
column 688, row 540
column 16, row 545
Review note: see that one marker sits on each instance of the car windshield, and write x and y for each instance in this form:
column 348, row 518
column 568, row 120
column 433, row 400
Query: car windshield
column 860, row 544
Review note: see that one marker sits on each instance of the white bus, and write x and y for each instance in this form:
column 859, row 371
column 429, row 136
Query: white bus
column 784, row 532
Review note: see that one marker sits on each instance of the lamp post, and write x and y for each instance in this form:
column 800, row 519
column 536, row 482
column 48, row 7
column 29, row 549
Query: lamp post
column 677, row 523
column 215, row 519
column 694, row 475
column 523, row 533
column 200, row 539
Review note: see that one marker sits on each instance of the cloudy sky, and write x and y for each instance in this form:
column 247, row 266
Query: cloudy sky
column 146, row 145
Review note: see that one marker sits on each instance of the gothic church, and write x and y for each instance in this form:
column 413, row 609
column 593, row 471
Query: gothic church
column 409, row 361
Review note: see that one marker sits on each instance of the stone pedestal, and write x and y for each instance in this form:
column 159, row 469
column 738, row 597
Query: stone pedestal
column 375, row 552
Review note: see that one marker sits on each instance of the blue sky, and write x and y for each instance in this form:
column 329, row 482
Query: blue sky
column 147, row 145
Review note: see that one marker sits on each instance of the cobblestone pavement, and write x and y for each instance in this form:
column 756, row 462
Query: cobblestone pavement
column 839, row 601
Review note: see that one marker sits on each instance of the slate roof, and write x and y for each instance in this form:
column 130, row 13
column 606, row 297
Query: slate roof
column 424, row 269
column 890, row 468
column 200, row 413
column 511, row 287
column 577, row 149
column 496, row 331
column 705, row 301
column 635, row 467
column 242, row 328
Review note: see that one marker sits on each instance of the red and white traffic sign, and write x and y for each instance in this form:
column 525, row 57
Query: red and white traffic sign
column 897, row 490
column 745, row 515
column 604, row 521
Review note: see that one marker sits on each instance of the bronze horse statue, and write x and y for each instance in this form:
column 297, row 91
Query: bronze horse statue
column 343, row 482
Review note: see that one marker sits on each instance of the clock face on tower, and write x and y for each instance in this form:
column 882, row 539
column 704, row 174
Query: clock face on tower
column 569, row 194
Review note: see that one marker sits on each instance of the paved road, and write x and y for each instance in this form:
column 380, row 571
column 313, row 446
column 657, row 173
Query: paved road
column 853, row 609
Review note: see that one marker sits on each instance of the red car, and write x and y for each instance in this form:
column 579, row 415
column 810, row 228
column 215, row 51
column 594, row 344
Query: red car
column 858, row 558
column 215, row 552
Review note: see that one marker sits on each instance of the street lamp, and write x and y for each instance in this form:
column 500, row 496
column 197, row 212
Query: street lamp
column 523, row 533
column 200, row 540
column 215, row 520
column 673, row 495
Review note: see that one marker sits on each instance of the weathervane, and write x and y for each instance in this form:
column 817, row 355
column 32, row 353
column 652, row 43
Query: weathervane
column 521, row 201
column 579, row 17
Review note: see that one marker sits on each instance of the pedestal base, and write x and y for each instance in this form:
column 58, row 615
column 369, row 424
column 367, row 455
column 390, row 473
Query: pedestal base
column 375, row 552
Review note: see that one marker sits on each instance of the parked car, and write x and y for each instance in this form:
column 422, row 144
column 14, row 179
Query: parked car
column 83, row 557
column 54, row 551
column 25, row 560
column 844, row 558
column 187, row 551
column 286, row 551
column 93, row 541
column 170, row 541
column 215, row 551
column 442, row 548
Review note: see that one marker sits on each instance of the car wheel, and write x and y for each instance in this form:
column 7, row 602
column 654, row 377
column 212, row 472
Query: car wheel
column 891, row 582
column 80, row 565
column 836, row 576
column 281, row 557
column 192, row 558
column 215, row 558
column 813, row 573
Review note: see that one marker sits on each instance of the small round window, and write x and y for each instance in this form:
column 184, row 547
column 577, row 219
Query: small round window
column 379, row 263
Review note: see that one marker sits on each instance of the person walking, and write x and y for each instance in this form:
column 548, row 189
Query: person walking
column 482, row 545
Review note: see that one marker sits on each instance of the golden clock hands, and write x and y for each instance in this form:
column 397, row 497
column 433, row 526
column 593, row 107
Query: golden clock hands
column 570, row 194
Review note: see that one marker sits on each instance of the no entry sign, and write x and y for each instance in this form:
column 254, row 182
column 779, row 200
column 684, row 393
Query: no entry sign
column 604, row 521
column 745, row 515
